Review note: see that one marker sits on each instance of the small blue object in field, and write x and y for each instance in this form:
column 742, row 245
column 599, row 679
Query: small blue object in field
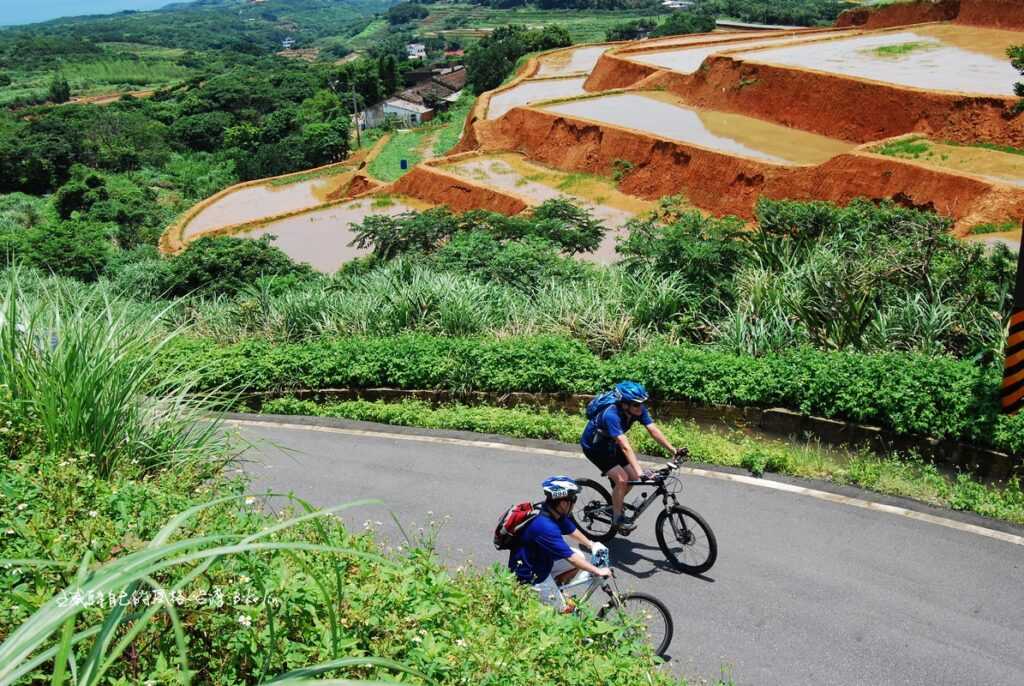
column 405, row 164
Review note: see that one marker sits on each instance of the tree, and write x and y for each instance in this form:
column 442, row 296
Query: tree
column 78, row 249
column 326, row 142
column 679, row 23
column 390, row 75
column 225, row 265
column 405, row 12
column 60, row 89
column 1017, row 60
column 85, row 189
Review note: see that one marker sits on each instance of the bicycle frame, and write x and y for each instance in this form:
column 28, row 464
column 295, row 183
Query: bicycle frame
column 659, row 490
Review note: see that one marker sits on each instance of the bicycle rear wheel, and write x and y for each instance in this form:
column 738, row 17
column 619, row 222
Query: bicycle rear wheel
column 593, row 511
column 686, row 539
column 642, row 617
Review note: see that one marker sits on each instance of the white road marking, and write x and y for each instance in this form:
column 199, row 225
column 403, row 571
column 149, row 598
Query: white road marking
column 724, row 476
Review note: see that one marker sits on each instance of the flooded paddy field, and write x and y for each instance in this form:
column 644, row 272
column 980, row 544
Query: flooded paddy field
column 322, row 237
column 532, row 91
column 947, row 57
column 514, row 173
column 661, row 115
column 266, row 200
column 1011, row 239
column 567, row 62
column 993, row 164
column 687, row 59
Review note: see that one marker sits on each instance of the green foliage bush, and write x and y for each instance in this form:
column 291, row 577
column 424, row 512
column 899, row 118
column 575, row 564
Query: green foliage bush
column 493, row 58
column 225, row 265
column 904, row 393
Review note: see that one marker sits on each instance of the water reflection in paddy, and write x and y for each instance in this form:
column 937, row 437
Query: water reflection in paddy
column 661, row 116
column 265, row 200
column 578, row 61
column 944, row 58
column 534, row 91
column 322, row 237
column 688, row 60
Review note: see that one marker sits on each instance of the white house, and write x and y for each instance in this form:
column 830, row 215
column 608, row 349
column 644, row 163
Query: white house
column 416, row 51
column 409, row 112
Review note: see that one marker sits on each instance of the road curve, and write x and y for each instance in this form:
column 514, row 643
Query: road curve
column 805, row 591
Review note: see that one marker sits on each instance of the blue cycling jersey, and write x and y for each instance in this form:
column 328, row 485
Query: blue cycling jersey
column 539, row 545
column 609, row 425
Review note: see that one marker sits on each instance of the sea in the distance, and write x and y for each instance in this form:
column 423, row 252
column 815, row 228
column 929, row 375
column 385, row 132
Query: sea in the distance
column 30, row 11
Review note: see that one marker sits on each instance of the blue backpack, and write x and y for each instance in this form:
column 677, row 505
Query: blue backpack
column 600, row 403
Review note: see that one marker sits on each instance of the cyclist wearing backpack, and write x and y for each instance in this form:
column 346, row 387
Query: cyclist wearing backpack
column 540, row 556
column 605, row 444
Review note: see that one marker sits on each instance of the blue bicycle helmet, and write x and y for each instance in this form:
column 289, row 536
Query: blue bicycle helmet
column 630, row 392
column 558, row 487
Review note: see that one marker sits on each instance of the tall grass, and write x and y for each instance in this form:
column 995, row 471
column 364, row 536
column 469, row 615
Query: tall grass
column 84, row 366
column 49, row 636
column 615, row 310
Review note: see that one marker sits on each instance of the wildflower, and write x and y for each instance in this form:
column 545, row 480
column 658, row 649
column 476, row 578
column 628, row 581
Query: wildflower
column 22, row 506
column 245, row 620
column 243, row 579
column 461, row 642
column 93, row 513
column 250, row 500
column 9, row 532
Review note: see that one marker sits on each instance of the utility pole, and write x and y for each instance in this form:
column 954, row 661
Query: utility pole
column 355, row 116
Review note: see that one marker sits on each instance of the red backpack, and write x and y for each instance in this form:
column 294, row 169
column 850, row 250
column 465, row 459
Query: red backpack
column 512, row 522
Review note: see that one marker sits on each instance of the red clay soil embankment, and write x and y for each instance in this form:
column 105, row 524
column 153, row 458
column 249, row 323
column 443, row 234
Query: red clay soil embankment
column 614, row 71
column 899, row 14
column 441, row 188
column 845, row 108
column 726, row 184
column 999, row 14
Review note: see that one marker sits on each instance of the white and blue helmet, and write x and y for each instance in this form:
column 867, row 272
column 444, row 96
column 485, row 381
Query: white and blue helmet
column 558, row 487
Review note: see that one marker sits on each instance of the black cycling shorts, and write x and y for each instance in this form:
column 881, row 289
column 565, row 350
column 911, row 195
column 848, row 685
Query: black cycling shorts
column 606, row 456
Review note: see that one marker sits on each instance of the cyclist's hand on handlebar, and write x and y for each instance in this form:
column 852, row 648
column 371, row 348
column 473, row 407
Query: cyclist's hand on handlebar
column 605, row 572
column 681, row 455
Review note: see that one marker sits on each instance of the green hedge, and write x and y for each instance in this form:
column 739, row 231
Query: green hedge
column 903, row 392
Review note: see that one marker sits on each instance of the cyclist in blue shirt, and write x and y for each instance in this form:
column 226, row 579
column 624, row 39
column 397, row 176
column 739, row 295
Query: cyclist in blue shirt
column 605, row 444
column 540, row 556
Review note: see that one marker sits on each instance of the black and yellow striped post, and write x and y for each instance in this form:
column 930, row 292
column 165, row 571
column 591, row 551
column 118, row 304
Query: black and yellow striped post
column 1013, row 370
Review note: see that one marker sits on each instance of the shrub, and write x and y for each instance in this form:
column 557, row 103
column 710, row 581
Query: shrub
column 905, row 393
column 225, row 265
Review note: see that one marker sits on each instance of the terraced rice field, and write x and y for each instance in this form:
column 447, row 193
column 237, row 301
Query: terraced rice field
column 687, row 59
column 948, row 57
column 322, row 237
column 513, row 173
column 662, row 116
column 531, row 91
column 995, row 165
column 265, row 200
column 567, row 62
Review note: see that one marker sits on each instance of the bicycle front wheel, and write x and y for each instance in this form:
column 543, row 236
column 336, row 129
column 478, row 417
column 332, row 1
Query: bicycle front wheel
column 593, row 511
column 642, row 617
column 686, row 539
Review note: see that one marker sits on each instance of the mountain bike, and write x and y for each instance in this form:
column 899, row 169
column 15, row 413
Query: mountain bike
column 683, row 536
column 638, row 615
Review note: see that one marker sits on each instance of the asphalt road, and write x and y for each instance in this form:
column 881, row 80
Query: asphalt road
column 805, row 591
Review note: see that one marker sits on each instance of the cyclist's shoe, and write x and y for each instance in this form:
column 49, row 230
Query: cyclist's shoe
column 624, row 524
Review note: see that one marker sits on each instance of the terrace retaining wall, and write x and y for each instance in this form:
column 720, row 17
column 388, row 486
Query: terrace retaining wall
column 1000, row 14
column 850, row 109
column 899, row 14
column 721, row 183
column 460, row 195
